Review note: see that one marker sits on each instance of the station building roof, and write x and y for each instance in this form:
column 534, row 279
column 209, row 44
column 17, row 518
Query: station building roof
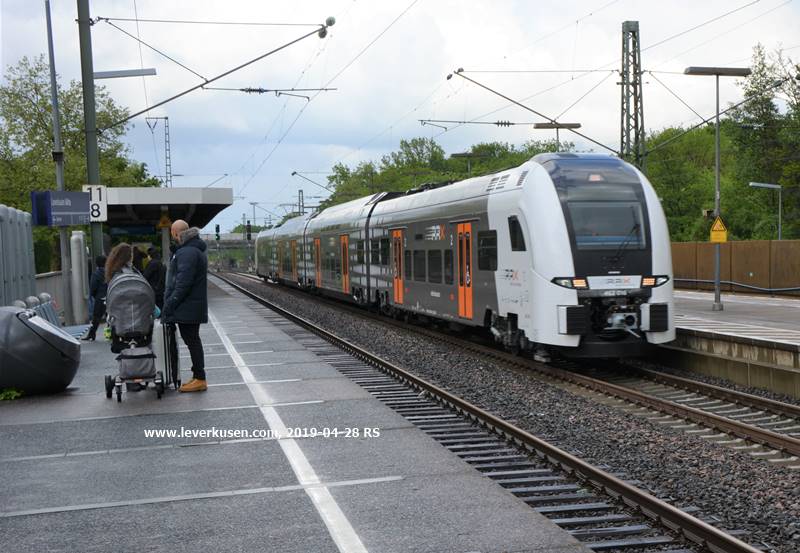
column 146, row 205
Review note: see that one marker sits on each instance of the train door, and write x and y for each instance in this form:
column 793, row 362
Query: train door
column 279, row 264
column 465, row 270
column 345, row 251
column 397, row 266
column 317, row 263
column 293, row 245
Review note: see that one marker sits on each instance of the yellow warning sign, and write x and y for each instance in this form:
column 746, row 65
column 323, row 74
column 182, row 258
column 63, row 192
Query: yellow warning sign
column 165, row 221
column 719, row 232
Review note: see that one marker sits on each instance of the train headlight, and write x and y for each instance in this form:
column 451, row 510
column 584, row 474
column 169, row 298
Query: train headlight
column 654, row 281
column 571, row 282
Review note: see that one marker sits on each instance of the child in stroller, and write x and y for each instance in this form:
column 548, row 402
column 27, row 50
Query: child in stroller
column 130, row 304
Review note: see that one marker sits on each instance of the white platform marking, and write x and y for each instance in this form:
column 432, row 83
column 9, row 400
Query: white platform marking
column 342, row 532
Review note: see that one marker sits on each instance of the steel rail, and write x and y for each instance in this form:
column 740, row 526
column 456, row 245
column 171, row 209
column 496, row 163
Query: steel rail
column 690, row 527
column 719, row 392
column 774, row 440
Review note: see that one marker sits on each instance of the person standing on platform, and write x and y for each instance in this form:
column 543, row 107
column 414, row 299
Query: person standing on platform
column 156, row 275
column 186, row 297
column 97, row 291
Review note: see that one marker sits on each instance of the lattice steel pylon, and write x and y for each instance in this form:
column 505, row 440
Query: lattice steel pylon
column 632, row 137
column 167, row 153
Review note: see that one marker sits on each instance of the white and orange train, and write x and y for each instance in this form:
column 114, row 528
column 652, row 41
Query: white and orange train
column 567, row 251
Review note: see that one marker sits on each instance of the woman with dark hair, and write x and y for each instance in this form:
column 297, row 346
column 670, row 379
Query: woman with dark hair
column 120, row 256
column 97, row 291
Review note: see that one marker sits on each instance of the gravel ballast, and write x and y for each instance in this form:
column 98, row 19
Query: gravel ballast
column 745, row 493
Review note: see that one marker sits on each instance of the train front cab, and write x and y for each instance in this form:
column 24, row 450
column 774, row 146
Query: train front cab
column 621, row 274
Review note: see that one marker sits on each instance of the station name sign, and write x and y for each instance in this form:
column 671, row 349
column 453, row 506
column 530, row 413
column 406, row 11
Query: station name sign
column 60, row 209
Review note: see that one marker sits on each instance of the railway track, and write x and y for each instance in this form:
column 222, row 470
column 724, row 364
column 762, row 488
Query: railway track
column 601, row 509
column 761, row 427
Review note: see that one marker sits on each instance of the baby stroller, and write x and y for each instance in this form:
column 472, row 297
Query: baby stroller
column 130, row 305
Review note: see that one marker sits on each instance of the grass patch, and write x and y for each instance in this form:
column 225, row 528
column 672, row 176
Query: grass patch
column 9, row 394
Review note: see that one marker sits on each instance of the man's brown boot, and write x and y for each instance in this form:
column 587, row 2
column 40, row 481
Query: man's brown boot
column 194, row 385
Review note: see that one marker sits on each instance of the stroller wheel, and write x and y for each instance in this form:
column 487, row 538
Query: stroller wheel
column 109, row 386
column 159, row 384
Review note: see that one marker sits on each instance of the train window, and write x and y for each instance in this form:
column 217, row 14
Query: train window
column 487, row 250
column 407, row 263
column 419, row 265
column 448, row 266
column 374, row 252
column 385, row 251
column 360, row 252
column 515, row 231
column 435, row 266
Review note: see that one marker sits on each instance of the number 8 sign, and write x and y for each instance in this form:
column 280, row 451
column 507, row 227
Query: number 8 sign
column 98, row 203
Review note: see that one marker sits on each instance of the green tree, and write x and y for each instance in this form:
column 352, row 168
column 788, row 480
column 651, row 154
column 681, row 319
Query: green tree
column 26, row 141
column 422, row 160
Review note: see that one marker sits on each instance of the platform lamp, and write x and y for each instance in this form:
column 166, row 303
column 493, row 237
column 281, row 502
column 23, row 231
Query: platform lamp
column 556, row 125
column 717, row 72
column 779, row 188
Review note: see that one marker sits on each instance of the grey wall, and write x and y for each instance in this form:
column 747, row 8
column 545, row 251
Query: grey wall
column 17, row 269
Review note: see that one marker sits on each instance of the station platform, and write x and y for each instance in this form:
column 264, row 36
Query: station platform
column 80, row 473
column 754, row 340
column 748, row 316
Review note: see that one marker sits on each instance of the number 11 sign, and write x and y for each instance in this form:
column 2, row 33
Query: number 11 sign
column 98, row 203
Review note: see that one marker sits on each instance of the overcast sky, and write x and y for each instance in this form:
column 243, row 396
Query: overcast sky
column 258, row 140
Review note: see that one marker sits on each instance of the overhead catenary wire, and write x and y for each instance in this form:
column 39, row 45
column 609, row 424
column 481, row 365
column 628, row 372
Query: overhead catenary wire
column 700, row 25
column 681, row 100
column 601, row 67
column 495, row 123
column 327, row 84
column 216, row 78
column 584, row 95
column 662, row 144
column 523, row 106
column 156, row 50
column 144, row 87
column 719, row 35
column 308, row 66
column 209, row 22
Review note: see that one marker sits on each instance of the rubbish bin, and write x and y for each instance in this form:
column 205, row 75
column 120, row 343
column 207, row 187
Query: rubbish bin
column 36, row 356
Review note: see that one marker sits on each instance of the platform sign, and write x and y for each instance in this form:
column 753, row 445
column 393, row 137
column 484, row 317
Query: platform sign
column 98, row 202
column 60, row 209
column 719, row 232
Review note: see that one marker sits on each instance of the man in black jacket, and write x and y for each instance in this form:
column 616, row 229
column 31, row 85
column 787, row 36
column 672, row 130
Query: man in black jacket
column 156, row 275
column 186, row 297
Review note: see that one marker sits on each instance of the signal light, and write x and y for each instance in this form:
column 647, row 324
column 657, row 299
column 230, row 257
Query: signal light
column 248, row 230
column 216, row 232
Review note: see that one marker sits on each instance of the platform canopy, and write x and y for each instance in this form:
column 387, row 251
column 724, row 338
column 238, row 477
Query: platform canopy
column 148, row 206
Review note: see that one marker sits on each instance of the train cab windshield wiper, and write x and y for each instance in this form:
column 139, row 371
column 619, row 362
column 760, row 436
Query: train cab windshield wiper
column 618, row 255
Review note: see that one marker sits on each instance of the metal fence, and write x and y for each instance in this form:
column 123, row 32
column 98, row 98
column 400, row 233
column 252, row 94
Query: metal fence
column 765, row 266
column 17, row 269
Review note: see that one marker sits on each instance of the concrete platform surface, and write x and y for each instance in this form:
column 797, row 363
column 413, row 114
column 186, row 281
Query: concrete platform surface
column 747, row 316
column 84, row 473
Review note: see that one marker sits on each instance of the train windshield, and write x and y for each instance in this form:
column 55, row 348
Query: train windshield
column 603, row 204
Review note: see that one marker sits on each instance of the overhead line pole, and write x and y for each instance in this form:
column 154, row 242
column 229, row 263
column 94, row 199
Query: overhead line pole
column 58, row 157
column 89, row 114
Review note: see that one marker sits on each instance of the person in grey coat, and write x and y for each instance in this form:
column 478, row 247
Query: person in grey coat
column 186, row 297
